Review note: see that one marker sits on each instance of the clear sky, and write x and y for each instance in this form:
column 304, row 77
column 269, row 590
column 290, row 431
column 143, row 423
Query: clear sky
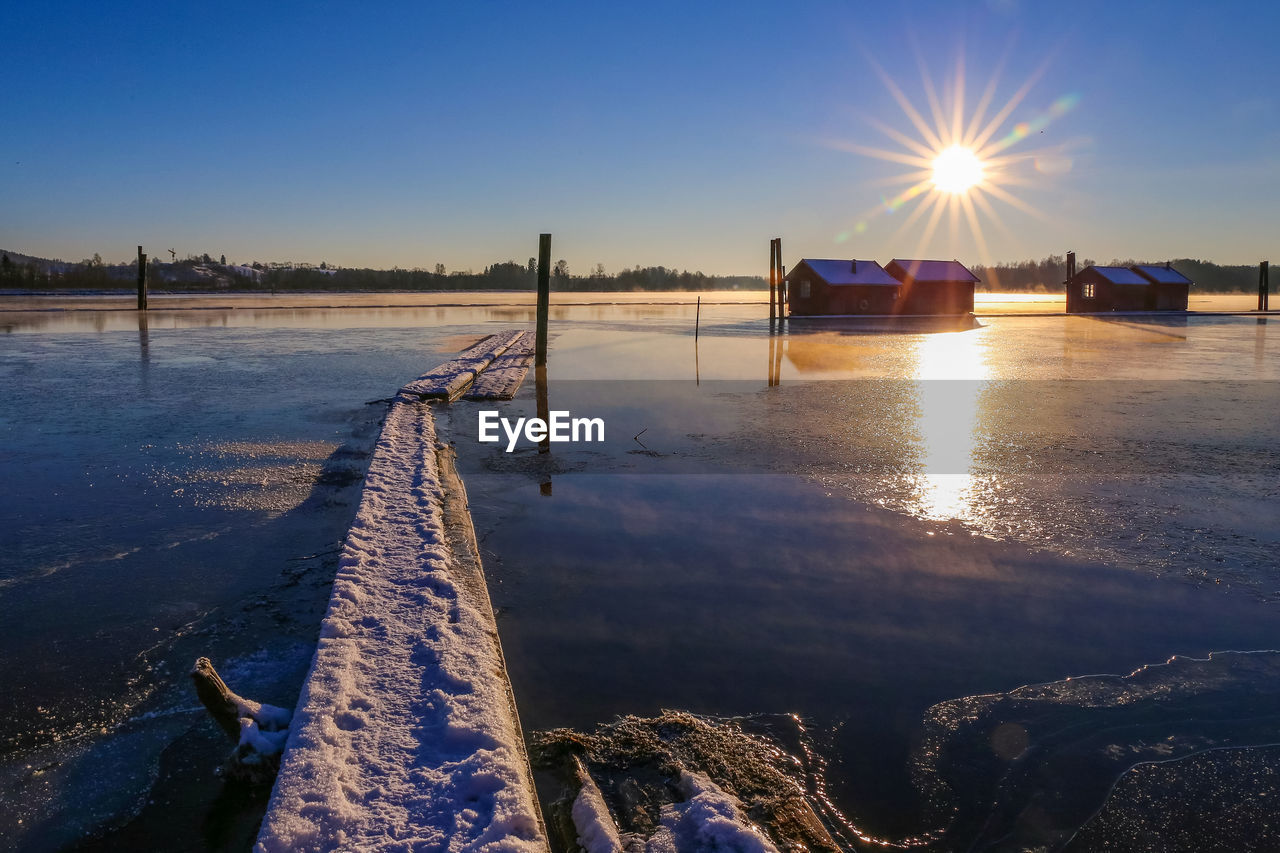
column 685, row 134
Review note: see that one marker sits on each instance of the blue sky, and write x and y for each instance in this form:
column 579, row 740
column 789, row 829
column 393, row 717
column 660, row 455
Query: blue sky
column 682, row 134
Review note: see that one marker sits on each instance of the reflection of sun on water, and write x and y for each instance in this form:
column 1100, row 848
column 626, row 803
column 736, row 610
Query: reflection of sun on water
column 949, row 378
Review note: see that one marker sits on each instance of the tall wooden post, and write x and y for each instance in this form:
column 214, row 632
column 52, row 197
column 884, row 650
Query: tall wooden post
column 773, row 279
column 1264, row 285
column 782, row 274
column 544, row 299
column 142, row 280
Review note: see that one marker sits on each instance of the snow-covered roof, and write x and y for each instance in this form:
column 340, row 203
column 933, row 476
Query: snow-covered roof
column 1161, row 274
column 932, row 270
column 848, row 272
column 1120, row 275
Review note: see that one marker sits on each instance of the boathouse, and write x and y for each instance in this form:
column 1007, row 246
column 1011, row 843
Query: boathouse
column 933, row 287
column 823, row 286
column 1137, row 288
column 1170, row 288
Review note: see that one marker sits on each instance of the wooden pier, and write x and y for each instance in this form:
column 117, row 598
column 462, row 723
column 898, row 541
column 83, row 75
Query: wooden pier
column 406, row 733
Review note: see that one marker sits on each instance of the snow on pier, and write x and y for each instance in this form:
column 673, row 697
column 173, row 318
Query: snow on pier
column 502, row 378
column 406, row 735
column 449, row 380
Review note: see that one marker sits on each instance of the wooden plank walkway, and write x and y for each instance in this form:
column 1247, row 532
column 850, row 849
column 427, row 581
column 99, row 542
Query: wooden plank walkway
column 466, row 373
column 406, row 735
column 502, row 378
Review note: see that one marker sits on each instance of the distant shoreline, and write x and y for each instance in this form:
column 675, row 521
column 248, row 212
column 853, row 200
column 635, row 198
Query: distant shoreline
column 259, row 294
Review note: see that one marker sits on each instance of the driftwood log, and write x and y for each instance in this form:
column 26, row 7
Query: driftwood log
column 257, row 730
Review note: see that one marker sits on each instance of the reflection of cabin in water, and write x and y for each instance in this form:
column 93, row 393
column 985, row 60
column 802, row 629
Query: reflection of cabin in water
column 933, row 287
column 819, row 286
column 1136, row 288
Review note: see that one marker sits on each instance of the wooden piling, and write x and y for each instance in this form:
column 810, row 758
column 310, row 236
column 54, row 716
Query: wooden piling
column 773, row 279
column 142, row 280
column 544, row 299
column 1264, row 285
column 697, row 319
column 782, row 274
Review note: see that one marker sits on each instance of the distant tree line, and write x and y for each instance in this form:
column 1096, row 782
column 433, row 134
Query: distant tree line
column 507, row 275
column 191, row 273
column 202, row 273
column 1047, row 275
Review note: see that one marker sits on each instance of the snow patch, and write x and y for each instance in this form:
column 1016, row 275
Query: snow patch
column 597, row 832
column 708, row 819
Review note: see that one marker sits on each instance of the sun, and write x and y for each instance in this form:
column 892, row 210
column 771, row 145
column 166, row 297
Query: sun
column 957, row 169
column 960, row 161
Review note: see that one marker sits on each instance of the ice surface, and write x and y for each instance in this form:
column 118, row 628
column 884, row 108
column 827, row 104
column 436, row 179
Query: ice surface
column 991, row 765
column 403, row 737
column 1217, row 800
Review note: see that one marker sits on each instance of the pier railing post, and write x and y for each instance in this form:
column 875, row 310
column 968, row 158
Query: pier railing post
column 142, row 280
column 544, row 299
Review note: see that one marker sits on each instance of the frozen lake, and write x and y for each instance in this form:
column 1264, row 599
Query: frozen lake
column 907, row 517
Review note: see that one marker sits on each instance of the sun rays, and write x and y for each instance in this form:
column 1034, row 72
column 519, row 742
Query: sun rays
column 961, row 163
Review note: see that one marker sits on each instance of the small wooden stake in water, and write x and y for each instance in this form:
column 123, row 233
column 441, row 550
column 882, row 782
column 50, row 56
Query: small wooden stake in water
column 544, row 298
column 142, row 280
column 1264, row 285
column 697, row 318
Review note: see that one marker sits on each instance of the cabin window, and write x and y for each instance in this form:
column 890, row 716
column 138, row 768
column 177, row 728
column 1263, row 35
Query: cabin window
column 804, row 289
column 1086, row 291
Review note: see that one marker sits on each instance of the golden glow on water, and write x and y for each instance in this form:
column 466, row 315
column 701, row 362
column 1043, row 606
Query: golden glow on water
column 950, row 373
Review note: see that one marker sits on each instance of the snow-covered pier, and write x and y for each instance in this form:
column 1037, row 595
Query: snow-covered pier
column 406, row 735
column 491, row 369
